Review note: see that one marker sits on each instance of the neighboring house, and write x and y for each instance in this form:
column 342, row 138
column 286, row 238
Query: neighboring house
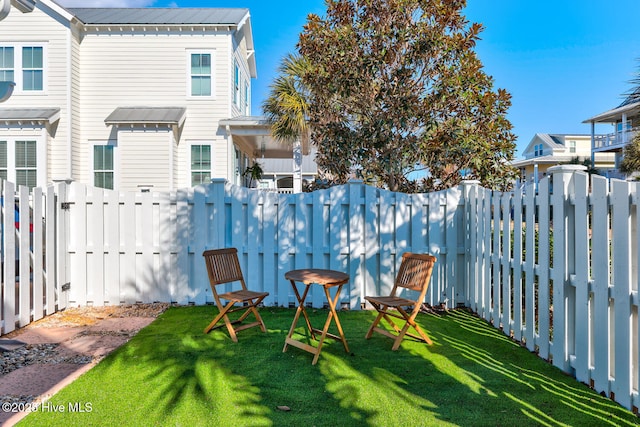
column 625, row 120
column 127, row 98
column 547, row 150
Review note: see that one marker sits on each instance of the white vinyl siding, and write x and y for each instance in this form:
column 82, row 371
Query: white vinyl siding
column 145, row 159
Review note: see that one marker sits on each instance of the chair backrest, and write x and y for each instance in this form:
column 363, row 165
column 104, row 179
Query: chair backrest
column 415, row 272
column 223, row 266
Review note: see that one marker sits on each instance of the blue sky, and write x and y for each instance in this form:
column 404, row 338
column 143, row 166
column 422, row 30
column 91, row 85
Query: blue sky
column 563, row 61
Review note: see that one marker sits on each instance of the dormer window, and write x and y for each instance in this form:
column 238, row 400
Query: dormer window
column 537, row 150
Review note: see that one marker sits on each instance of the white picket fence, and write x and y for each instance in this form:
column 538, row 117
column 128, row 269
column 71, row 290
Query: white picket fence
column 557, row 270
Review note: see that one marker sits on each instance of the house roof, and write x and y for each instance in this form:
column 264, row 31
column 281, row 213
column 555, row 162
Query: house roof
column 160, row 16
column 615, row 114
column 48, row 115
column 147, row 115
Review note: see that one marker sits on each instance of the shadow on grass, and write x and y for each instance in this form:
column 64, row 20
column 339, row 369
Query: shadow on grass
column 173, row 374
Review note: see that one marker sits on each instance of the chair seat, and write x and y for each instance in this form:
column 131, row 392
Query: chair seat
column 391, row 301
column 242, row 295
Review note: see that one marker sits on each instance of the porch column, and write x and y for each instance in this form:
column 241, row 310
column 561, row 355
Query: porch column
column 297, row 167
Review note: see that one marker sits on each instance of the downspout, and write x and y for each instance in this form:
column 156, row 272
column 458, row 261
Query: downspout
column 593, row 143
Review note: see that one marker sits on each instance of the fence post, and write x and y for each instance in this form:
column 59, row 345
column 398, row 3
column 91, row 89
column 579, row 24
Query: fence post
column 564, row 295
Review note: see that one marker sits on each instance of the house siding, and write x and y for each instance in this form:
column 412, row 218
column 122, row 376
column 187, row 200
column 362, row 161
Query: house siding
column 145, row 158
column 41, row 28
column 150, row 69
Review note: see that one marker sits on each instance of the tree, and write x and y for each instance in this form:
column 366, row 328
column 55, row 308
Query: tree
column 631, row 160
column 287, row 107
column 397, row 96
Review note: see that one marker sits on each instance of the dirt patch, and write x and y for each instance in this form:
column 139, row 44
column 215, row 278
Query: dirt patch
column 61, row 347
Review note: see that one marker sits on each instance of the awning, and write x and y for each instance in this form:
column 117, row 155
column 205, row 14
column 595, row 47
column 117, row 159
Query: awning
column 170, row 116
column 30, row 115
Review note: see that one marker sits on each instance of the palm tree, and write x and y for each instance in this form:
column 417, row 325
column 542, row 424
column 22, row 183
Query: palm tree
column 287, row 106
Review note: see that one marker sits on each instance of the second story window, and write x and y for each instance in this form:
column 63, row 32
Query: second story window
column 245, row 100
column 236, row 84
column 572, row 146
column 537, row 150
column 32, row 69
column 200, row 73
column 23, row 64
column 6, row 64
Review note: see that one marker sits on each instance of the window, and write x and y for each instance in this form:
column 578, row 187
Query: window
column 24, row 65
column 537, row 150
column 245, row 93
column 6, row 64
column 236, row 84
column 32, row 68
column 103, row 171
column 201, row 75
column 572, row 146
column 200, row 164
column 19, row 161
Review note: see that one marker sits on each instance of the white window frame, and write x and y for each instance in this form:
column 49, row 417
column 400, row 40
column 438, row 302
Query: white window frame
column 572, row 146
column 210, row 52
column 18, row 69
column 246, row 99
column 200, row 143
column 116, row 161
column 41, row 157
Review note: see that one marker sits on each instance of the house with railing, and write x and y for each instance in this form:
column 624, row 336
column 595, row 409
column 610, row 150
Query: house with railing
column 625, row 120
column 547, row 150
column 128, row 99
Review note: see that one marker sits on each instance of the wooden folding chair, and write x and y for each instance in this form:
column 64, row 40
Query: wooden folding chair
column 223, row 267
column 414, row 274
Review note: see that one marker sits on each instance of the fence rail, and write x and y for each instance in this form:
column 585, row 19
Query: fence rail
column 555, row 268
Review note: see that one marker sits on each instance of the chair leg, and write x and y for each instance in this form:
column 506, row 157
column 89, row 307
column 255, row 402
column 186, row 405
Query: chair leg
column 375, row 323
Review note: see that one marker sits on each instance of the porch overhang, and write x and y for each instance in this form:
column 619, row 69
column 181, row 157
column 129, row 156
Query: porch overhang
column 253, row 134
column 614, row 115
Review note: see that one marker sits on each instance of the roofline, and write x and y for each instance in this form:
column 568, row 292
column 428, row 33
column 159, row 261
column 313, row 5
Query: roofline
column 606, row 117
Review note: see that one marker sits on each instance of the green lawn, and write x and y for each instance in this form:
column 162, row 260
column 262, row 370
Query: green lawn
column 172, row 374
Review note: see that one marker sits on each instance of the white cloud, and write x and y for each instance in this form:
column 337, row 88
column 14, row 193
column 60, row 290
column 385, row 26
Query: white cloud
column 105, row 3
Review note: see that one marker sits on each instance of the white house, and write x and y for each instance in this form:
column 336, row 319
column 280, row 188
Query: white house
column 625, row 121
column 547, row 150
column 127, row 98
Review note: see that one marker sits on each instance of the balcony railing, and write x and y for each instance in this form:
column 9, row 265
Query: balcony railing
column 614, row 140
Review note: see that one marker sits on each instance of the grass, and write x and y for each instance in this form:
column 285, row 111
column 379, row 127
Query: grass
column 172, row 374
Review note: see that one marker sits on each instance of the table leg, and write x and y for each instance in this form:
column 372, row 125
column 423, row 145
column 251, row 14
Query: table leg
column 299, row 310
column 332, row 315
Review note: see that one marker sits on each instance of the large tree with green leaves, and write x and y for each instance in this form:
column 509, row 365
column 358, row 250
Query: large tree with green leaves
column 395, row 88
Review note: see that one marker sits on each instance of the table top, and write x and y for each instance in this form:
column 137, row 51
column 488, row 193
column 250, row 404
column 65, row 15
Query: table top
column 317, row 275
